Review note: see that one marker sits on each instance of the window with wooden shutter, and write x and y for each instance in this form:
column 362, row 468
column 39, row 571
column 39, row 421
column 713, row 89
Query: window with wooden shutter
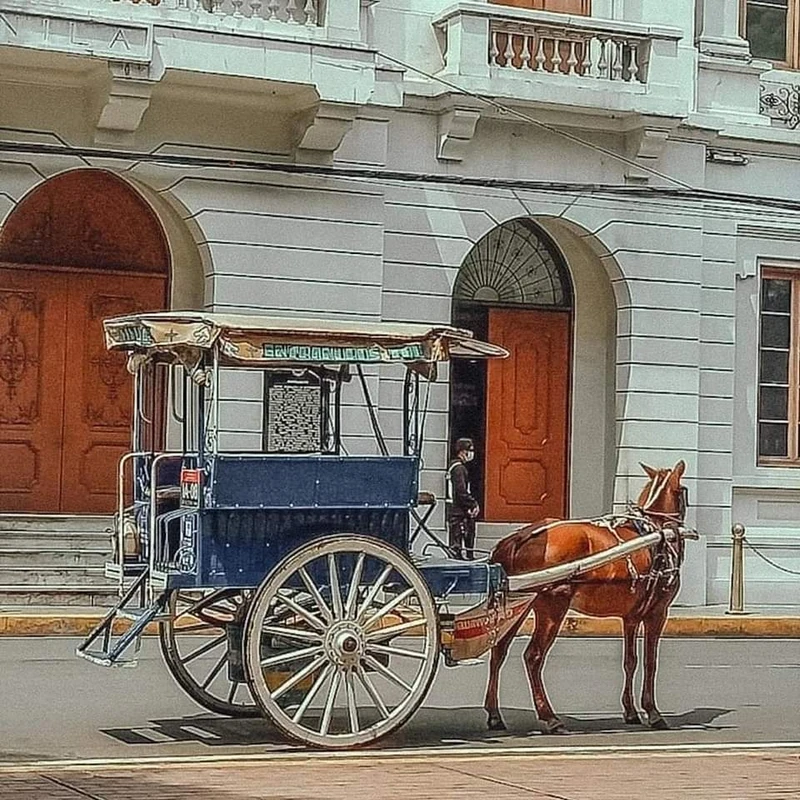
column 772, row 27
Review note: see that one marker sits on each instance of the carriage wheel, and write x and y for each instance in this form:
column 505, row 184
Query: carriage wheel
column 203, row 629
column 341, row 642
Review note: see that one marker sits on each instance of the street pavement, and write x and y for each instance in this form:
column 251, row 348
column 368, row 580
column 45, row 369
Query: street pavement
column 739, row 776
column 712, row 692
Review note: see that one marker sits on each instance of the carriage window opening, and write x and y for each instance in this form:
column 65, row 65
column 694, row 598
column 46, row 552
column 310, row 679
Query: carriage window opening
column 779, row 370
column 770, row 26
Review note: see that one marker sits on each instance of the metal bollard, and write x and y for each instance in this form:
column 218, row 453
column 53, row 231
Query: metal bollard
column 736, row 605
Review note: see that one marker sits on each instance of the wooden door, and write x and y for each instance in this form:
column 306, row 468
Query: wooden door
column 98, row 388
column 33, row 311
column 527, row 412
column 582, row 7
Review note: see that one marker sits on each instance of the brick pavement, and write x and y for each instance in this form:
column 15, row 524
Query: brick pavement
column 740, row 776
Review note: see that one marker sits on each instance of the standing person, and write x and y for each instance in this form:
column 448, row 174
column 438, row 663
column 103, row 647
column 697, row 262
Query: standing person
column 461, row 507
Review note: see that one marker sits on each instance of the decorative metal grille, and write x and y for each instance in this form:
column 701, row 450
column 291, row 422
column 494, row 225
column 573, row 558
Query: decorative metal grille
column 781, row 103
column 294, row 417
column 513, row 265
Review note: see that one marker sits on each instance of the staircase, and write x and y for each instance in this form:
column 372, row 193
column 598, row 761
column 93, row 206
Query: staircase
column 55, row 561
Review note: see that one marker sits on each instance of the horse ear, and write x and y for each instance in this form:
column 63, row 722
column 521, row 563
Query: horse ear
column 678, row 470
column 651, row 473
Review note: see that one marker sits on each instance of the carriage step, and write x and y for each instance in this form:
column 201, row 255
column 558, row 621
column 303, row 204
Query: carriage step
column 102, row 647
column 102, row 660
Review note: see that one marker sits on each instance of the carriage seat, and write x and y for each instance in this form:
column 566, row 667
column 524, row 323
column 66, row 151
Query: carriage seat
column 452, row 576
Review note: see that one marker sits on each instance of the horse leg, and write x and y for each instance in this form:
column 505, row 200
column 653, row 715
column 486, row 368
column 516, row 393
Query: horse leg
column 550, row 609
column 629, row 663
column 653, row 627
column 499, row 653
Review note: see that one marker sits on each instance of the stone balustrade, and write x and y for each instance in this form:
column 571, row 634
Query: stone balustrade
column 308, row 13
column 564, row 59
column 566, row 52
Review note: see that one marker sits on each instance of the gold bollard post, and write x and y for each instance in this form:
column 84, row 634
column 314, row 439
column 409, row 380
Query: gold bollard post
column 736, row 605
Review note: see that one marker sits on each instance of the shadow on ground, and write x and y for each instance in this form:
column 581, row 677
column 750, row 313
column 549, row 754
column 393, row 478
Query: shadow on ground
column 430, row 727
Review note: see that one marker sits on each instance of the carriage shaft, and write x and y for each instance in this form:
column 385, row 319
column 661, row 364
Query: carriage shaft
column 530, row 581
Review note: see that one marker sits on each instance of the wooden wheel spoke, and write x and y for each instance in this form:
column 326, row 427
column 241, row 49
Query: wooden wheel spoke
column 394, row 630
column 281, row 632
column 315, row 593
column 396, row 651
column 330, row 701
column 312, row 693
column 387, row 673
column 204, row 649
column 352, row 708
column 316, row 622
column 387, row 607
column 372, row 691
column 373, row 592
column 297, row 677
column 352, row 595
column 200, row 626
column 286, row 658
column 214, row 672
column 336, row 594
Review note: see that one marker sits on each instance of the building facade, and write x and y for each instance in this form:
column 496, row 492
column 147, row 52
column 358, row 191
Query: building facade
column 595, row 184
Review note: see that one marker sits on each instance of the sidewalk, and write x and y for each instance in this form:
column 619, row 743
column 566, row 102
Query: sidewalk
column 747, row 775
column 781, row 622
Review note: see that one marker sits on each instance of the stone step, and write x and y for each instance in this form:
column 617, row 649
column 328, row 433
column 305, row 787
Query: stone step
column 55, row 523
column 96, row 596
column 55, row 540
column 24, row 577
column 36, row 557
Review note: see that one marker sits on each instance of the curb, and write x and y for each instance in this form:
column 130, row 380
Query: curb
column 772, row 627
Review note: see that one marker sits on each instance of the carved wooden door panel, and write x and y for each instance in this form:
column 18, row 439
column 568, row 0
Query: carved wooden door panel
column 97, row 388
column 527, row 412
column 582, row 7
column 32, row 324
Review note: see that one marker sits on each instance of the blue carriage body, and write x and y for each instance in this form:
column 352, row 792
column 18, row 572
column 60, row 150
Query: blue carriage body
column 199, row 517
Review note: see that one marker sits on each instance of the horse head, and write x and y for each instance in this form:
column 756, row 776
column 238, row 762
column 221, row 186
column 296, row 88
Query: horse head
column 663, row 496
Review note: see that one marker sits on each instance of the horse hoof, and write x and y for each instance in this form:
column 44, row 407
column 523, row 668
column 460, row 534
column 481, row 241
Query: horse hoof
column 659, row 724
column 496, row 724
column 556, row 728
column 633, row 719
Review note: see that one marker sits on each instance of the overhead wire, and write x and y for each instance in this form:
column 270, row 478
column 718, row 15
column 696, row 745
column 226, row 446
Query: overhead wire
column 511, row 111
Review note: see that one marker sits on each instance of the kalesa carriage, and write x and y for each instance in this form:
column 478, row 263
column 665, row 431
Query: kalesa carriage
column 285, row 582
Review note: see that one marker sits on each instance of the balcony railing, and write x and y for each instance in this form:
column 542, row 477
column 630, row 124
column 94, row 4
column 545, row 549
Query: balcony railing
column 307, row 13
column 564, row 59
column 562, row 52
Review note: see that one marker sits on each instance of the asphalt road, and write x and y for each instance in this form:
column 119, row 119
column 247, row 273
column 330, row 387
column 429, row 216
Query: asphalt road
column 56, row 706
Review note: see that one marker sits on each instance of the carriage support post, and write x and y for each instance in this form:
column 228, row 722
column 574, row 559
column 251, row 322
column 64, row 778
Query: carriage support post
column 736, row 603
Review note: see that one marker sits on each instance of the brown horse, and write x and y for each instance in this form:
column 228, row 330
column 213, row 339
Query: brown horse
column 638, row 588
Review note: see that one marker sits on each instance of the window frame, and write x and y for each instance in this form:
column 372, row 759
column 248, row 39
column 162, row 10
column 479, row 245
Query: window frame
column 792, row 44
column 775, row 271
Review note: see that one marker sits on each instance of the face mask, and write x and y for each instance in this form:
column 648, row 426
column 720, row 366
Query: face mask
column 469, row 455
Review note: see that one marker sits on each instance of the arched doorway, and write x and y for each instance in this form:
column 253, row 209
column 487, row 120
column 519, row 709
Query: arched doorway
column 514, row 288
column 80, row 247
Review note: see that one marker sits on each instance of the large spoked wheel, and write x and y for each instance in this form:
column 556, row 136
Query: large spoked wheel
column 341, row 642
column 201, row 641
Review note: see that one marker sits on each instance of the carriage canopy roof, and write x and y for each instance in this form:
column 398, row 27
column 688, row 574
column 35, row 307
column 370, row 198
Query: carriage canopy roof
column 263, row 341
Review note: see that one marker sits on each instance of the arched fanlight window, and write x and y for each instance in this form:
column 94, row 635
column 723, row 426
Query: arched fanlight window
column 514, row 264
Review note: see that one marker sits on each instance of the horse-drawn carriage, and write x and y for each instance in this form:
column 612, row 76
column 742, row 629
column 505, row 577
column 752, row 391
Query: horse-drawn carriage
column 283, row 576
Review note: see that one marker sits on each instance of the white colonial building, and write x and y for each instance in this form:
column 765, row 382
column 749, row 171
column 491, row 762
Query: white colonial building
column 591, row 183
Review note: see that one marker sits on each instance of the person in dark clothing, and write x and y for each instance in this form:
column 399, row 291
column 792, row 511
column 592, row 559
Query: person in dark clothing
column 461, row 507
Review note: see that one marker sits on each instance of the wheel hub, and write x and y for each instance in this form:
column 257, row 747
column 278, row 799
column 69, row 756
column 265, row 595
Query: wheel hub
column 345, row 644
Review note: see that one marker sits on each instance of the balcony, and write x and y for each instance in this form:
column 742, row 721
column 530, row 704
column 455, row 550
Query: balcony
column 601, row 67
column 301, row 60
